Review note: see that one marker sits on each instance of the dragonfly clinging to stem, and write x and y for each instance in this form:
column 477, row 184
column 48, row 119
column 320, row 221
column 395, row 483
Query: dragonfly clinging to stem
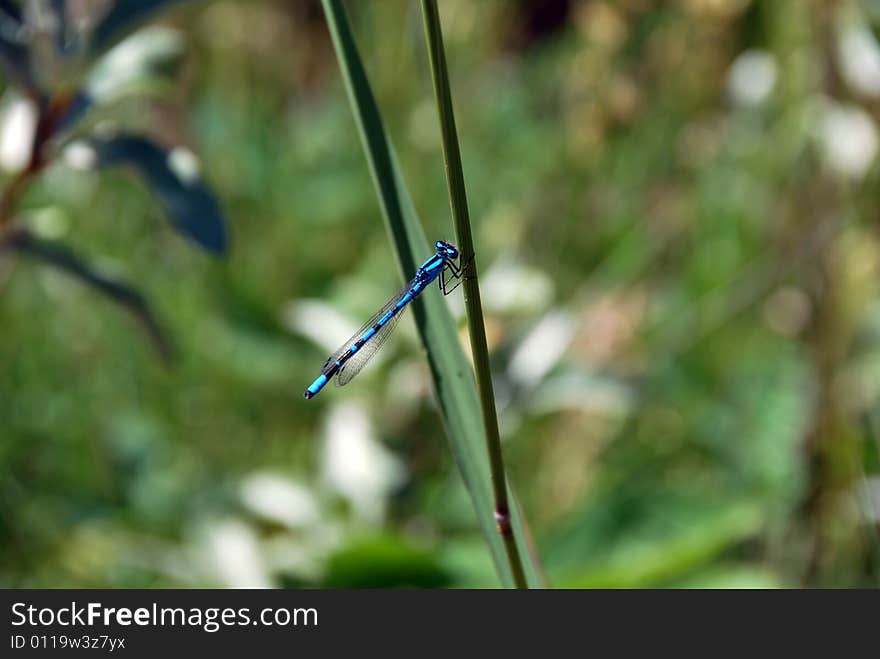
column 354, row 354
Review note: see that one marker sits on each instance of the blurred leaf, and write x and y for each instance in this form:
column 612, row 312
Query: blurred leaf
column 143, row 64
column 451, row 371
column 643, row 543
column 385, row 562
column 466, row 559
column 14, row 55
column 173, row 177
column 11, row 10
column 59, row 9
column 255, row 357
column 136, row 64
column 731, row 576
column 64, row 259
column 122, row 19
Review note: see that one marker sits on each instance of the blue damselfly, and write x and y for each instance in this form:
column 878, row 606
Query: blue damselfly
column 354, row 354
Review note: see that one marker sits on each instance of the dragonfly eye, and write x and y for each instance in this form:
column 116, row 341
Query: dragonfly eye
column 446, row 249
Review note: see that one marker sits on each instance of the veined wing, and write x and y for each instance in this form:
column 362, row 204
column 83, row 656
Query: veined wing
column 345, row 347
column 357, row 362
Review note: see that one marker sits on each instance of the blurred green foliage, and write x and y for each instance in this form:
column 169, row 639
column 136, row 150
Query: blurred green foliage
column 675, row 214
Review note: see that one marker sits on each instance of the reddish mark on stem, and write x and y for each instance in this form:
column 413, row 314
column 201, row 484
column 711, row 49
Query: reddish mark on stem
column 502, row 520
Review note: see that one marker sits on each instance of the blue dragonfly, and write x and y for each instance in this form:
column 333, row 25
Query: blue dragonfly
column 354, row 354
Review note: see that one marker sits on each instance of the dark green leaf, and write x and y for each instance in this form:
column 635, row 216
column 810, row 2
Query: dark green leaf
column 191, row 207
column 14, row 55
column 122, row 19
column 66, row 260
column 138, row 63
column 142, row 64
column 384, row 563
column 11, row 10
column 62, row 25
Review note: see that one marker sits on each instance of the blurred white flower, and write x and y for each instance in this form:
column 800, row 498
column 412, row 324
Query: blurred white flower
column 585, row 393
column 280, row 500
column 355, row 465
column 184, row 163
column 80, row 156
column 751, row 78
column 848, row 138
column 318, row 321
column 509, row 286
column 860, row 60
column 50, row 222
column 133, row 62
column 289, row 556
column 408, row 385
column 18, row 122
column 542, row 348
column 234, row 552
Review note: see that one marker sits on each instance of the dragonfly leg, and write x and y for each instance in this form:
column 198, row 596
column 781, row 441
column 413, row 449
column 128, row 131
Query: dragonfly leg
column 451, row 271
column 444, row 282
column 455, row 272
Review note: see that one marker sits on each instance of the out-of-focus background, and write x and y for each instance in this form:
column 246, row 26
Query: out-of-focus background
column 676, row 217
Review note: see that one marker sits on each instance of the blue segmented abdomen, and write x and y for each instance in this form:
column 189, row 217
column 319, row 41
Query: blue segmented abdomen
column 316, row 386
column 349, row 359
column 391, row 313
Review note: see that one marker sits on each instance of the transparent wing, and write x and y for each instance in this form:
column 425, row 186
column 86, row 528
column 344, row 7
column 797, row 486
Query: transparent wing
column 354, row 365
column 345, row 347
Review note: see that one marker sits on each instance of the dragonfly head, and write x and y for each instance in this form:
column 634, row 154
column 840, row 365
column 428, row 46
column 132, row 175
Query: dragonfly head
column 446, row 250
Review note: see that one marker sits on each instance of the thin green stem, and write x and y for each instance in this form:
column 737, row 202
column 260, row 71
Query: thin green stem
column 476, row 327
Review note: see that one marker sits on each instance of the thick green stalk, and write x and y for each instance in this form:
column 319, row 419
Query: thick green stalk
column 476, row 327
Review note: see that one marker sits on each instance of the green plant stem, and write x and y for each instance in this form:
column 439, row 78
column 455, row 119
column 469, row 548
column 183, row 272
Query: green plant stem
column 476, row 327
